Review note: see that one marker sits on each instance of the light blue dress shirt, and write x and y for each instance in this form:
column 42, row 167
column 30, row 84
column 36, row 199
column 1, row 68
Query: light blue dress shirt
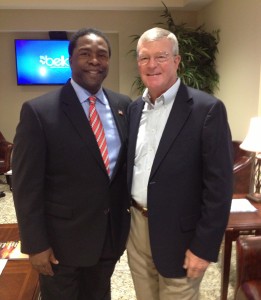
column 107, row 119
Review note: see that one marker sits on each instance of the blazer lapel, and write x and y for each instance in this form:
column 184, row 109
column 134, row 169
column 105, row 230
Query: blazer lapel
column 135, row 117
column 134, row 121
column 179, row 114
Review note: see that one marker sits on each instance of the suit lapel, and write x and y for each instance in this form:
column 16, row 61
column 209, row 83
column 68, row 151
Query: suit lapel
column 75, row 113
column 119, row 114
column 177, row 118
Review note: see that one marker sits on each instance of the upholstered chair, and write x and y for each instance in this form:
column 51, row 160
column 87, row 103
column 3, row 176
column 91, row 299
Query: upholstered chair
column 5, row 157
column 248, row 256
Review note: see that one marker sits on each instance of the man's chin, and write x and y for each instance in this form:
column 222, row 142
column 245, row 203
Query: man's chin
column 155, row 86
column 94, row 78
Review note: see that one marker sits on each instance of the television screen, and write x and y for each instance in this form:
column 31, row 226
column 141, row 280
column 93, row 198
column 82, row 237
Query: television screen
column 42, row 62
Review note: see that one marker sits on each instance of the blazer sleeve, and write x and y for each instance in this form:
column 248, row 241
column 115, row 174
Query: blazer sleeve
column 217, row 159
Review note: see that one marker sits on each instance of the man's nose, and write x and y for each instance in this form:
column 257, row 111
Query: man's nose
column 152, row 62
column 93, row 58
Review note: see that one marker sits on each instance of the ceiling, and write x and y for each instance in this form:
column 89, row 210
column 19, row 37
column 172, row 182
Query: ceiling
column 104, row 4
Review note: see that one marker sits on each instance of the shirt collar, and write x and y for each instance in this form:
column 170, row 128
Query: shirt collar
column 165, row 98
column 83, row 94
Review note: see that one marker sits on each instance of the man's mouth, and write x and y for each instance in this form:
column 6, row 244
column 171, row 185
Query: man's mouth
column 93, row 72
column 152, row 75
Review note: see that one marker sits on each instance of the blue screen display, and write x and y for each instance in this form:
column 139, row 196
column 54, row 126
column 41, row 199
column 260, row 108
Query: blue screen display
column 42, row 62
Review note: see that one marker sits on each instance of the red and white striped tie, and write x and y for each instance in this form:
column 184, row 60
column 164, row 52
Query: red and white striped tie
column 98, row 131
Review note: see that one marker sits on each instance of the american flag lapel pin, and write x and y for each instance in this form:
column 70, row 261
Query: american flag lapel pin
column 120, row 112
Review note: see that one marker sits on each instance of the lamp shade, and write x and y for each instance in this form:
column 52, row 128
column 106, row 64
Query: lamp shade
column 252, row 141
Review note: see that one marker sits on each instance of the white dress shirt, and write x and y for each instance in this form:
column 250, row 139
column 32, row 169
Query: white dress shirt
column 153, row 120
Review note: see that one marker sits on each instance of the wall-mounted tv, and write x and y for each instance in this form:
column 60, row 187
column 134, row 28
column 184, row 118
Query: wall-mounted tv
column 42, row 62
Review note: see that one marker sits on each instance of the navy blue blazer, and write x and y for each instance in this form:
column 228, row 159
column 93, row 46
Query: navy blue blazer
column 190, row 184
column 62, row 193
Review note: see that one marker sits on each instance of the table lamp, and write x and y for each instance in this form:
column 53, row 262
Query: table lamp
column 252, row 143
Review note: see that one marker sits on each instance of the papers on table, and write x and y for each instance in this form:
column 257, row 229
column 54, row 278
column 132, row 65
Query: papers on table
column 242, row 205
column 12, row 250
column 2, row 264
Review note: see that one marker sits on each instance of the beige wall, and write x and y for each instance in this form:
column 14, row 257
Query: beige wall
column 239, row 58
column 33, row 23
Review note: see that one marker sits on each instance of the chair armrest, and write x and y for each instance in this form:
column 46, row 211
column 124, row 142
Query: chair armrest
column 242, row 163
column 248, row 258
column 252, row 289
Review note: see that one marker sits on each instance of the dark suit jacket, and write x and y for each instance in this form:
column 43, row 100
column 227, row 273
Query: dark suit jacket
column 62, row 192
column 190, row 185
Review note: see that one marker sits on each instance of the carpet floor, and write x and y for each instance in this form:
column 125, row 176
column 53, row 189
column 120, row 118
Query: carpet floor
column 122, row 286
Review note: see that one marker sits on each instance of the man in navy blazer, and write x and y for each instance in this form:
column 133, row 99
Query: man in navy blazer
column 179, row 176
column 72, row 215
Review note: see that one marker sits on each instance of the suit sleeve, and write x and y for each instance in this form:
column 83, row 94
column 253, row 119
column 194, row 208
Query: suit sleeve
column 28, row 167
column 217, row 158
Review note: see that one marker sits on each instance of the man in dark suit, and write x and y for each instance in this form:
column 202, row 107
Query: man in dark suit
column 72, row 212
column 179, row 175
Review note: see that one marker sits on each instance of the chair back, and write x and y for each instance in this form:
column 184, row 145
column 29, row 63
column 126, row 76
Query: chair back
column 5, row 154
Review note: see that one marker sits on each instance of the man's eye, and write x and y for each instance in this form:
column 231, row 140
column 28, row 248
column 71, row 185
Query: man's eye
column 161, row 57
column 103, row 56
column 84, row 53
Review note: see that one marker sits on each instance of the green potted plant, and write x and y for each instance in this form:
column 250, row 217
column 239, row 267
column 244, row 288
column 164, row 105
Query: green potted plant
column 198, row 49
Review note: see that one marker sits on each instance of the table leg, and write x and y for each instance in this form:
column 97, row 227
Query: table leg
column 226, row 257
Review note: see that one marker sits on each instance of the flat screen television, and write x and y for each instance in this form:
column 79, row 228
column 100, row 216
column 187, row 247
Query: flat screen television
column 42, row 62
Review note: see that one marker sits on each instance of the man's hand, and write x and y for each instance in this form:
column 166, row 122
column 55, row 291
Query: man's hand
column 194, row 265
column 41, row 262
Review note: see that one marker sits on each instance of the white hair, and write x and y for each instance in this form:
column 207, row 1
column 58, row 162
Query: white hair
column 157, row 33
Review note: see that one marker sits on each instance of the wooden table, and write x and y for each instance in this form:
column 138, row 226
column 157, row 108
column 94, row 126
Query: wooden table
column 18, row 280
column 239, row 224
